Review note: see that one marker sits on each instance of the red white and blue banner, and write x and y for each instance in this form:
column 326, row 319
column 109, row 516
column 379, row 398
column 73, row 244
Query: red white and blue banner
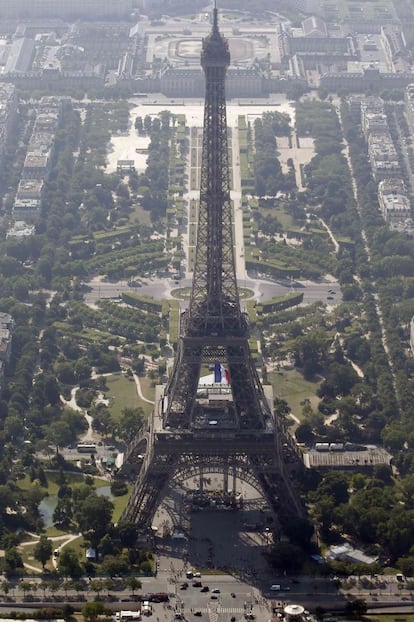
column 221, row 375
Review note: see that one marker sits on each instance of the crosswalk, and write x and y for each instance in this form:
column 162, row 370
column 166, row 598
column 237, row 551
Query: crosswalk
column 213, row 614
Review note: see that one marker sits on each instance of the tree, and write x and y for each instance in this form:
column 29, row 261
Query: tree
column 97, row 586
column 91, row 611
column 304, row 433
column 299, row 531
column 115, row 565
column 43, row 550
column 94, row 515
column 133, row 584
column 334, row 484
column 59, row 434
column 13, row 563
column 286, row 557
column 127, row 533
column 130, row 422
column 63, row 513
column 5, row 587
column 69, row 565
column 357, row 607
column 26, row 587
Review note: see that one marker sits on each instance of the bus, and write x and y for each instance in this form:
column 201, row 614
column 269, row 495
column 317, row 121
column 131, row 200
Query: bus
column 86, row 448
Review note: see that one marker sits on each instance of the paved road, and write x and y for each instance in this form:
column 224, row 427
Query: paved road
column 264, row 289
column 234, row 595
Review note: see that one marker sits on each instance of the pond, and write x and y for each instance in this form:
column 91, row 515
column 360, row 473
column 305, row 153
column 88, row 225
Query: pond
column 48, row 504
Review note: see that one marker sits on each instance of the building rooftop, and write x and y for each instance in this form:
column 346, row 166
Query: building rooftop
column 21, row 229
column 346, row 551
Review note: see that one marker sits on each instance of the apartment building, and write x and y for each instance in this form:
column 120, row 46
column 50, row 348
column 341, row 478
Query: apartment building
column 394, row 203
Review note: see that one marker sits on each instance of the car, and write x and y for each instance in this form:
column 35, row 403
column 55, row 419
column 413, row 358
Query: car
column 205, row 588
column 233, row 595
column 330, row 298
column 197, row 575
column 159, row 597
column 214, row 597
column 184, row 586
column 275, row 588
column 215, row 590
column 197, row 584
column 198, row 613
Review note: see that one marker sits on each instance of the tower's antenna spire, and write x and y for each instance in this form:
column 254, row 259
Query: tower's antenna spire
column 215, row 17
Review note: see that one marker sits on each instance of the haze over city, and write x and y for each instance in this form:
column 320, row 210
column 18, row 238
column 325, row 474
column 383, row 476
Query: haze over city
column 207, row 309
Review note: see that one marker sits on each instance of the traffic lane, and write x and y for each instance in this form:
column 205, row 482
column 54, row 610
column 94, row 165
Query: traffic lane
column 98, row 289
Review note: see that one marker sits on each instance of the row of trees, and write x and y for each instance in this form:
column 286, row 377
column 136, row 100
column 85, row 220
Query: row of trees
column 269, row 178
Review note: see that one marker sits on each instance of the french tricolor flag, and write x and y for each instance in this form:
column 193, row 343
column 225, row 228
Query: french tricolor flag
column 221, row 375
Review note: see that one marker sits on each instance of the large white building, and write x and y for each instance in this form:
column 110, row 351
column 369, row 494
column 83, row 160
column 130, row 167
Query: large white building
column 394, row 203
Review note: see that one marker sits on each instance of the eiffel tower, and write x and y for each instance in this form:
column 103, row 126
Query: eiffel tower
column 225, row 428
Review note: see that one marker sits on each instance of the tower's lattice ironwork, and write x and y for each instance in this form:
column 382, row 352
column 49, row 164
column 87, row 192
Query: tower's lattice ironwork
column 245, row 437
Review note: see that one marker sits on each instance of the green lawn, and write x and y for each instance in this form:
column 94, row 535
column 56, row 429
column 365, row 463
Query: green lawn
column 119, row 505
column 52, row 481
column 140, row 215
column 292, row 387
column 121, row 393
column 183, row 293
column 283, row 216
column 148, row 391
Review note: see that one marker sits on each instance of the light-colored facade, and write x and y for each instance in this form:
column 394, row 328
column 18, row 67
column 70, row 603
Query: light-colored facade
column 27, row 206
column 393, row 202
column 8, row 111
column 373, row 117
column 365, row 79
column 409, row 102
column 6, row 330
column 383, row 156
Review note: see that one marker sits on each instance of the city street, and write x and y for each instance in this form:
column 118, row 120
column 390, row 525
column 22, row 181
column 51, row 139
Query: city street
column 227, row 596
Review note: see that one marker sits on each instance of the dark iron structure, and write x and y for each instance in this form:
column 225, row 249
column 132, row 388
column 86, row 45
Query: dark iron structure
column 227, row 428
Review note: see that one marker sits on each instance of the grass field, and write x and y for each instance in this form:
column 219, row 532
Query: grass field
column 140, row 216
column 148, row 391
column 292, row 387
column 52, row 481
column 121, row 393
column 283, row 217
column 119, row 505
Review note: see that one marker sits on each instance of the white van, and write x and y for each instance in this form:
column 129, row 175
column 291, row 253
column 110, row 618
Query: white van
column 275, row 588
